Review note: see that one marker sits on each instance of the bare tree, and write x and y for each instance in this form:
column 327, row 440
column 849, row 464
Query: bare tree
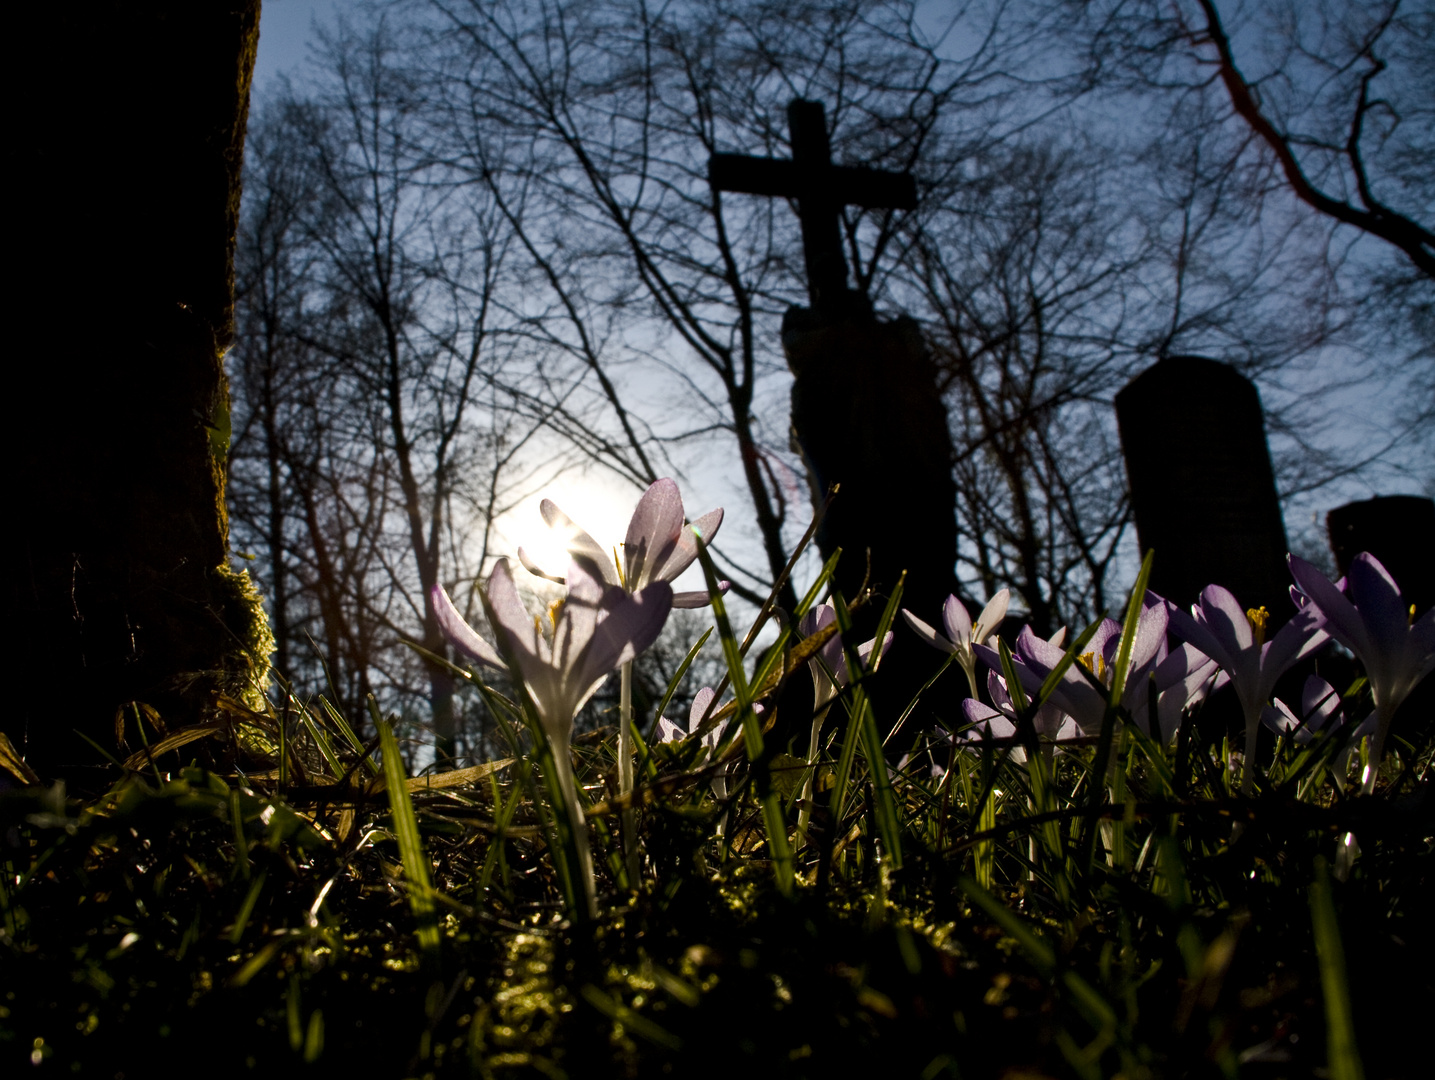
column 592, row 125
column 505, row 255
column 1314, row 123
column 382, row 468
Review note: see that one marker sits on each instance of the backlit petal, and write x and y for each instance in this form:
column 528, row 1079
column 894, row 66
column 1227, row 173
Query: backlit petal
column 927, row 634
column 957, row 622
column 992, row 615
column 653, row 533
column 685, row 550
column 464, row 637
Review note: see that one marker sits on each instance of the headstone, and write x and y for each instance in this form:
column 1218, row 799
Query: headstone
column 1202, row 490
column 1399, row 530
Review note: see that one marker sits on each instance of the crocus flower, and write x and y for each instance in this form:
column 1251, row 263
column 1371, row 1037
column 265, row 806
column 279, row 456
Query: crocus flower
column 829, row 675
column 656, row 548
column 1184, row 679
column 1235, row 639
column 829, row 666
column 702, row 706
column 961, row 632
column 1034, row 659
column 671, row 732
column 1319, row 711
column 1051, row 723
column 1376, row 624
column 594, row 630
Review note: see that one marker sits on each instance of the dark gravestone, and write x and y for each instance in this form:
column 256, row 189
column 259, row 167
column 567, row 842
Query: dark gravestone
column 1399, row 530
column 866, row 413
column 1202, row 490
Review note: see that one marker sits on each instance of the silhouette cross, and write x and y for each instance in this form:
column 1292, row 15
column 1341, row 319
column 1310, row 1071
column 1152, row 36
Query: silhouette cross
column 821, row 189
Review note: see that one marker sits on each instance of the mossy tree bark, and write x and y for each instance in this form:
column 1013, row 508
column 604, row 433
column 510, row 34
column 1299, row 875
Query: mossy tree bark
column 125, row 170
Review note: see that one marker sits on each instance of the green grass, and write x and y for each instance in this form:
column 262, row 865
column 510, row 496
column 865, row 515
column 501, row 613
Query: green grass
column 320, row 911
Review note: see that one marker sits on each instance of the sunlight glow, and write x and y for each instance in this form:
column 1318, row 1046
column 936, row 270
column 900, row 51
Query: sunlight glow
column 601, row 509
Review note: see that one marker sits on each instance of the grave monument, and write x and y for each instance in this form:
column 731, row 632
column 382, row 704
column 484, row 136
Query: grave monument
column 1202, row 489
column 866, row 413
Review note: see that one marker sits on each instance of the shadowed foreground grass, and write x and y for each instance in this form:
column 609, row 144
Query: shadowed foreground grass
column 295, row 902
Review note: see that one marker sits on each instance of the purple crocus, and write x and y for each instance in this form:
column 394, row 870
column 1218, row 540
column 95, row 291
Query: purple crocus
column 1034, row 659
column 702, row 706
column 829, row 675
column 961, row 632
column 1319, row 711
column 828, row 666
column 1235, row 639
column 594, row 630
column 1184, row 679
column 702, row 701
column 1051, row 723
column 657, row 547
column 1377, row 624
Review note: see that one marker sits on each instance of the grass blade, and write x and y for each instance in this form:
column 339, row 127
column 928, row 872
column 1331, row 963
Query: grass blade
column 1343, row 1059
column 406, row 831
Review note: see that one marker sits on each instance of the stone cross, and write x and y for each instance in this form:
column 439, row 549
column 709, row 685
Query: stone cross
column 821, row 189
column 866, row 411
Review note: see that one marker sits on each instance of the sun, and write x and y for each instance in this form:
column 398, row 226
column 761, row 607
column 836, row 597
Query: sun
column 600, row 507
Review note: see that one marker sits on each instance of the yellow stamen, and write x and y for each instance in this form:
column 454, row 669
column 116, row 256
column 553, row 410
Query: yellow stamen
column 1409, row 619
column 1095, row 663
column 554, row 610
column 1258, row 617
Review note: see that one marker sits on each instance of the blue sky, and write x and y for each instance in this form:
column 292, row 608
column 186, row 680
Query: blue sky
column 288, row 27
column 285, row 29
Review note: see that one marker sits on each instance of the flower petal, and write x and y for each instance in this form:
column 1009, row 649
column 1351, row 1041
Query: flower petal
column 633, row 623
column 1318, row 703
column 978, row 712
column 816, row 618
column 957, row 622
column 1105, row 641
column 1297, row 639
column 514, row 622
column 698, row 599
column 1279, row 718
column 1150, row 632
column 927, row 634
column 698, row 712
column 1189, row 629
column 992, row 615
column 464, row 638
column 685, row 550
column 653, row 533
column 1343, row 621
column 1223, row 614
column 526, row 561
column 578, row 542
column 1377, row 598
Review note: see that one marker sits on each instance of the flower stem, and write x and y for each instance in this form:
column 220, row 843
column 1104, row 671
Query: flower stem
column 810, row 774
column 577, row 823
column 625, row 771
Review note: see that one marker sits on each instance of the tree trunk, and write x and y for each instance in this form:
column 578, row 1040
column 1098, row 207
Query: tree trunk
column 125, row 164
